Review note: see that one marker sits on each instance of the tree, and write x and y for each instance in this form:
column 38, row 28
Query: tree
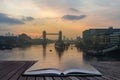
column 24, row 39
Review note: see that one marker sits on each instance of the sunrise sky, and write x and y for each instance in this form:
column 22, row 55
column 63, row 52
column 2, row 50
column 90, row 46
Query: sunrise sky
column 70, row 16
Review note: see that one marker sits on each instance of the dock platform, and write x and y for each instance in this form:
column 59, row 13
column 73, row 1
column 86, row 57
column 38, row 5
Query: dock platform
column 12, row 70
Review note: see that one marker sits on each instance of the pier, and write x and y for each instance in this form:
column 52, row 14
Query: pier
column 13, row 70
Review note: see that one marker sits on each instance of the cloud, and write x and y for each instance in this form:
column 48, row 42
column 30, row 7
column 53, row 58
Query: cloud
column 73, row 17
column 5, row 19
column 73, row 10
column 28, row 18
column 55, row 8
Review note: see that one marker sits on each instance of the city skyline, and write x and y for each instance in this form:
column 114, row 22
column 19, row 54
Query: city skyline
column 70, row 16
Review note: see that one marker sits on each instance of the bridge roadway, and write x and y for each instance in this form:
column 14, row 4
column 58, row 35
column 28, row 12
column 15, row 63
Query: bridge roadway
column 52, row 34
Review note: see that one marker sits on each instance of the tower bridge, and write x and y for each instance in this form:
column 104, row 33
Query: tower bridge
column 44, row 34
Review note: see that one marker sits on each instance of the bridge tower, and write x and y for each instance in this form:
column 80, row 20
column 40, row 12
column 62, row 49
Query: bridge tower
column 44, row 37
column 60, row 36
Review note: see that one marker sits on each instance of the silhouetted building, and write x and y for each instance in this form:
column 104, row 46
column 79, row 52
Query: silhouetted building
column 98, row 36
column 115, row 38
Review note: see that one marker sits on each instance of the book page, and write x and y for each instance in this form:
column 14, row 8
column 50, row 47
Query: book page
column 75, row 67
column 43, row 72
column 41, row 68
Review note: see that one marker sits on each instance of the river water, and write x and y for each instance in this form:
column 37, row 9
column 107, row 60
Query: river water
column 47, row 53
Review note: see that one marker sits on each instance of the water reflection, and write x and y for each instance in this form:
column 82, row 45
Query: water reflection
column 44, row 50
column 49, row 53
column 100, row 58
column 59, row 52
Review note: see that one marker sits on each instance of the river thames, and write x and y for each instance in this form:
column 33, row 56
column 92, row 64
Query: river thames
column 48, row 53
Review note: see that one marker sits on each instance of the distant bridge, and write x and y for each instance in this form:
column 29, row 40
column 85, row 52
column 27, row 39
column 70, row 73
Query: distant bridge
column 44, row 36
